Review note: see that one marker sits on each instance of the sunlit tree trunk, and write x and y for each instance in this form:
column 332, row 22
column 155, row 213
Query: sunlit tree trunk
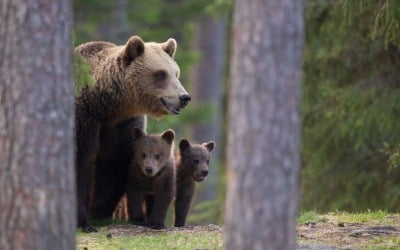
column 264, row 124
column 37, row 187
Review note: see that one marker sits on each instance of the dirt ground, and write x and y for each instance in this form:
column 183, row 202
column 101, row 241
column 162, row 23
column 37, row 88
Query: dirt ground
column 332, row 231
column 130, row 230
column 329, row 231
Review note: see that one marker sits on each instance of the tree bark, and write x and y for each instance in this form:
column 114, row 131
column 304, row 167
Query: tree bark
column 264, row 124
column 37, row 187
column 208, row 80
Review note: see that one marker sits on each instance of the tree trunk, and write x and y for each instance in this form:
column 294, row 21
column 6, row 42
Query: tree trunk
column 116, row 27
column 264, row 124
column 37, row 187
column 208, row 77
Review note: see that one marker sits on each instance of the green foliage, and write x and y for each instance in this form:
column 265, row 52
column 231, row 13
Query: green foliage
column 350, row 112
column 81, row 74
column 393, row 152
column 384, row 17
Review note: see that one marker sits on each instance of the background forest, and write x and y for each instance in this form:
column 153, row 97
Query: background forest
column 350, row 101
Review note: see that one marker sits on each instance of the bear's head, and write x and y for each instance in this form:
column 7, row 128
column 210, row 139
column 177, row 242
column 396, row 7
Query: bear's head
column 152, row 152
column 196, row 157
column 144, row 76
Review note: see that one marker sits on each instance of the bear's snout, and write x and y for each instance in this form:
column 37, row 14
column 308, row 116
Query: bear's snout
column 148, row 170
column 184, row 100
column 204, row 173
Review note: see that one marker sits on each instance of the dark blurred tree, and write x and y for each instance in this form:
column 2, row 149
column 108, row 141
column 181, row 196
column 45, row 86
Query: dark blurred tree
column 207, row 79
column 264, row 125
column 351, row 106
column 37, row 198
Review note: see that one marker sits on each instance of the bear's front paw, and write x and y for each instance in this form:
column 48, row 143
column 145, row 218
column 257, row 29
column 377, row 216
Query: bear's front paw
column 156, row 226
column 89, row 229
column 138, row 222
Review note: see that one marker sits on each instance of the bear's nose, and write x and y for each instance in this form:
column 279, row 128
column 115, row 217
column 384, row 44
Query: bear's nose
column 204, row 173
column 185, row 99
column 149, row 170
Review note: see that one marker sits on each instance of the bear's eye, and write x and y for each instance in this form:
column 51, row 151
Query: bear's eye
column 160, row 75
column 208, row 162
column 144, row 155
column 195, row 161
column 157, row 156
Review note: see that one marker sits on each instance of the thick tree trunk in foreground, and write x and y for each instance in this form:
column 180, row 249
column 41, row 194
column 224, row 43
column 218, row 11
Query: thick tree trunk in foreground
column 37, row 187
column 264, row 125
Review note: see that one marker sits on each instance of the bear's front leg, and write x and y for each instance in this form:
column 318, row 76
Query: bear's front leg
column 112, row 166
column 135, row 208
column 87, row 136
column 182, row 205
column 161, row 201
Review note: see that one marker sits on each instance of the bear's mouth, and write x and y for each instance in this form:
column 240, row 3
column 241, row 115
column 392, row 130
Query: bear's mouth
column 169, row 107
column 198, row 178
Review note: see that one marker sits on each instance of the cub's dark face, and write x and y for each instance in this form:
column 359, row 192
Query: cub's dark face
column 152, row 152
column 196, row 157
column 154, row 74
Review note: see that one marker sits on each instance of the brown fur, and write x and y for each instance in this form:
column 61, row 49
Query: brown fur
column 191, row 165
column 125, row 86
column 112, row 163
column 150, row 194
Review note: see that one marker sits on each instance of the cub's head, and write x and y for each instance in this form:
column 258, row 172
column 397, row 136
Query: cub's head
column 152, row 152
column 196, row 157
column 145, row 73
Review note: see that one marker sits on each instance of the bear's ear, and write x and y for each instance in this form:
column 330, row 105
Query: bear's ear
column 134, row 47
column 137, row 133
column 168, row 136
column 184, row 145
column 169, row 47
column 209, row 145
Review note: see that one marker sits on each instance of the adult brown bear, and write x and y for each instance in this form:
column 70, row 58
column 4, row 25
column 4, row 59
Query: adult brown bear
column 131, row 80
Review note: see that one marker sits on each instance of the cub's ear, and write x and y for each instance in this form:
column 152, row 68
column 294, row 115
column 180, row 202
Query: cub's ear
column 137, row 133
column 134, row 47
column 184, row 145
column 169, row 47
column 209, row 145
column 168, row 136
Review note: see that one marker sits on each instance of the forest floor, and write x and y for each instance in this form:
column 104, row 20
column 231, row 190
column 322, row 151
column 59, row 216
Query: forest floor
column 337, row 230
column 370, row 230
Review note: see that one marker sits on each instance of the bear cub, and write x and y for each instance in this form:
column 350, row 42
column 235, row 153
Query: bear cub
column 151, row 179
column 191, row 165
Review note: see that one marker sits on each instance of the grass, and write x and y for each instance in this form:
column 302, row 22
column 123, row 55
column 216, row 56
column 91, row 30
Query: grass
column 174, row 240
column 365, row 217
column 305, row 217
column 195, row 238
column 340, row 229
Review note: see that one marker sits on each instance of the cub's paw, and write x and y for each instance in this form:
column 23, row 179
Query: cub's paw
column 156, row 226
